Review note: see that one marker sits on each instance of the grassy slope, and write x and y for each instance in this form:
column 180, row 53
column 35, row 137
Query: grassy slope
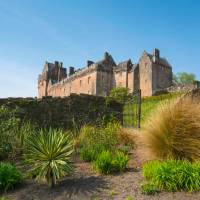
column 149, row 104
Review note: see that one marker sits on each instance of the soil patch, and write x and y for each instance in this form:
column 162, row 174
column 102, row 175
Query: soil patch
column 84, row 184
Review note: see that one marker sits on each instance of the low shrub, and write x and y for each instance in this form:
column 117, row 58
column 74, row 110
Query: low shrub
column 49, row 153
column 93, row 140
column 120, row 161
column 4, row 198
column 129, row 198
column 125, row 149
column 108, row 162
column 9, row 176
column 25, row 130
column 148, row 189
column 9, row 125
column 173, row 131
column 173, row 175
column 126, row 137
column 87, row 154
column 103, row 163
column 150, row 168
column 90, row 153
column 104, row 136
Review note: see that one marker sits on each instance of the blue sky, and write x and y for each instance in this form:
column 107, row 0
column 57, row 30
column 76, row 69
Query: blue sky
column 73, row 31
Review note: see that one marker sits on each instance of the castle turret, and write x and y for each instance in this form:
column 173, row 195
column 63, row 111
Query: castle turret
column 71, row 71
column 156, row 55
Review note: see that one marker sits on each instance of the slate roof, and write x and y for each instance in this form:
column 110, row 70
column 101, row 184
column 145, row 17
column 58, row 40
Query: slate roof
column 125, row 63
column 160, row 61
column 107, row 59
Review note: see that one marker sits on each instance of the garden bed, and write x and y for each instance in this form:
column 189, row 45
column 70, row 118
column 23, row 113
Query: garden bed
column 84, row 184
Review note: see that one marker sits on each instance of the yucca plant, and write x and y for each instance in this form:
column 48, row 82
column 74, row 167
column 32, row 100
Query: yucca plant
column 49, row 154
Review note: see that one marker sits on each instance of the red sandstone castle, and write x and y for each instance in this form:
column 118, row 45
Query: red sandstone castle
column 151, row 74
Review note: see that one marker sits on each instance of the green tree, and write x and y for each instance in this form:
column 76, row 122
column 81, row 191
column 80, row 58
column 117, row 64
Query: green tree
column 184, row 77
column 119, row 94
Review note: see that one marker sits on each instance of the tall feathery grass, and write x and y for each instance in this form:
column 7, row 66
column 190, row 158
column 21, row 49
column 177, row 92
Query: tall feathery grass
column 173, row 131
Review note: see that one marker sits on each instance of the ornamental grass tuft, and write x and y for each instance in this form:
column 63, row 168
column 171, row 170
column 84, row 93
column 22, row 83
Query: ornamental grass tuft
column 173, row 131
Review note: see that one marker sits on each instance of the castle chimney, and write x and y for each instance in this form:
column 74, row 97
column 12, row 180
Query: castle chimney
column 106, row 56
column 89, row 62
column 156, row 54
column 71, row 71
column 56, row 63
column 61, row 64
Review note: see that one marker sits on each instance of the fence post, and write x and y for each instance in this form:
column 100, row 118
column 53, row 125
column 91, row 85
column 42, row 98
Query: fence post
column 139, row 107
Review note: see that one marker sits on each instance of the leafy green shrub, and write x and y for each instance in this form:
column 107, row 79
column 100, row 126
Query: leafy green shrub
column 148, row 189
column 174, row 175
column 150, row 168
column 92, row 140
column 103, row 163
column 49, row 153
column 90, row 153
column 87, row 154
column 8, row 131
column 108, row 162
column 120, row 161
column 9, row 176
column 129, row 198
column 125, row 149
column 4, row 198
column 119, row 94
column 173, row 131
column 26, row 129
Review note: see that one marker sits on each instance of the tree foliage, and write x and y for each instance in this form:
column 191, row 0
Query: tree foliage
column 184, row 77
column 119, row 94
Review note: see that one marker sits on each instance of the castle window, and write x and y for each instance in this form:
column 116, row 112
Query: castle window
column 80, row 82
column 89, row 80
column 120, row 73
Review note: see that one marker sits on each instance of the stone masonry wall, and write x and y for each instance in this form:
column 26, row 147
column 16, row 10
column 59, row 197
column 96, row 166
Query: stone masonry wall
column 161, row 77
column 85, row 84
column 64, row 112
column 145, row 74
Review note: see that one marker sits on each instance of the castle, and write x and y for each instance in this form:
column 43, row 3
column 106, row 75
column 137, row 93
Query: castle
column 151, row 74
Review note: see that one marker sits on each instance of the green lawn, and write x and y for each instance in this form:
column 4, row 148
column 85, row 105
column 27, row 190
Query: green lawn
column 149, row 104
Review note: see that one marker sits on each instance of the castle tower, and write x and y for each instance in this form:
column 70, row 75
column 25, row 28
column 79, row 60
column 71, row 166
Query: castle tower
column 52, row 73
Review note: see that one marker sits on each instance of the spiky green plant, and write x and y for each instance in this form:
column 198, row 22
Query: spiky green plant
column 49, row 154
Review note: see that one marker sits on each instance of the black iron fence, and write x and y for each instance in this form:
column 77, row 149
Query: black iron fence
column 131, row 116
